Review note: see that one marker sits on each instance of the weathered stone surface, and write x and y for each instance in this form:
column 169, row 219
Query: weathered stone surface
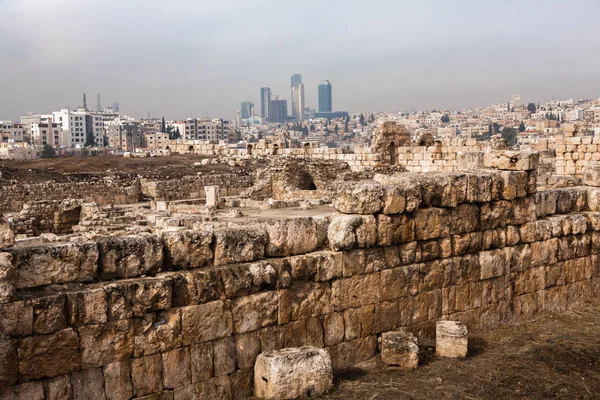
column 201, row 361
column 358, row 198
column 239, row 244
column 431, row 223
column 247, row 348
column 26, row 391
column 129, row 256
column 355, row 291
column 292, row 373
column 194, row 287
column 55, row 264
column 400, row 349
column 295, row 235
column 48, row 355
column 155, row 333
column 224, row 355
column 106, row 343
column 7, row 236
column 254, row 312
column 511, row 160
column 8, row 363
column 88, row 384
column 17, row 319
column 136, row 297
column 394, row 229
column 117, row 381
column 8, row 278
column 86, row 307
column 146, row 375
column 187, row 249
column 58, row 388
column 347, row 232
column 176, row 367
column 451, row 339
column 205, row 322
column 304, row 300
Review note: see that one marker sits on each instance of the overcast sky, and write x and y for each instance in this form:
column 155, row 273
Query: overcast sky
column 179, row 58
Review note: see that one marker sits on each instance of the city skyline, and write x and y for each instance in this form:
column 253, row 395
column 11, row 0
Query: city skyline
column 373, row 55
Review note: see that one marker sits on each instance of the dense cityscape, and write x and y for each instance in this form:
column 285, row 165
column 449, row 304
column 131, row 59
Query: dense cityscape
column 82, row 129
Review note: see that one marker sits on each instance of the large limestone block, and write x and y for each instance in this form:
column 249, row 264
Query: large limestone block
column 56, row 264
column 187, row 249
column 8, row 278
column 591, row 175
column 7, row 236
column 451, row 339
column 130, row 256
column 239, row 244
column 400, row 349
column 511, row 160
column 292, row 373
column 358, row 198
column 346, row 232
column 293, row 236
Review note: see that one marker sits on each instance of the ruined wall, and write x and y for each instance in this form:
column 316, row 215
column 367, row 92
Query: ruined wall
column 573, row 154
column 103, row 192
column 184, row 314
column 191, row 187
column 55, row 216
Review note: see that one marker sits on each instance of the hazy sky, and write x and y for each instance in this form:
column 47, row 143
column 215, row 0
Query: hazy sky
column 176, row 57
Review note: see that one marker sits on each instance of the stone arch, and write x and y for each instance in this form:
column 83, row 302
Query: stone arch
column 191, row 148
column 249, row 149
column 275, row 149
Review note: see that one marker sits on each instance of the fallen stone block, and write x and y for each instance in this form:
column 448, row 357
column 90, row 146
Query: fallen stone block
column 292, row 373
column 451, row 339
column 400, row 349
column 511, row 160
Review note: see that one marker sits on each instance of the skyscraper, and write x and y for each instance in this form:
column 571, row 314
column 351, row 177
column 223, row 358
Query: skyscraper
column 265, row 99
column 325, row 97
column 298, row 101
column 278, row 111
column 296, row 81
column 246, row 109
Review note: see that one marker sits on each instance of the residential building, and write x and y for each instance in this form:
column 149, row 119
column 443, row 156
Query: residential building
column 124, row 136
column 11, row 132
column 325, row 97
column 46, row 133
column 155, row 140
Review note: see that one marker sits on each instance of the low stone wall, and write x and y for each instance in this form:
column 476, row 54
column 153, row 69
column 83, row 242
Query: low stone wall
column 192, row 187
column 573, row 154
column 53, row 216
column 103, row 192
column 184, row 314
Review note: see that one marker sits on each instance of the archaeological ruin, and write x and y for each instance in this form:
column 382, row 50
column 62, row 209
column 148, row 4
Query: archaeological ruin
column 169, row 285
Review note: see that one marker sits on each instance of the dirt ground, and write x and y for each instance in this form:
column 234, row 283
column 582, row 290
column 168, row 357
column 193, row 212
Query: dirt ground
column 555, row 356
column 79, row 168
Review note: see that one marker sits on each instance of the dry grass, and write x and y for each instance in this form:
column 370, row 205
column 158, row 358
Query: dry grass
column 555, row 356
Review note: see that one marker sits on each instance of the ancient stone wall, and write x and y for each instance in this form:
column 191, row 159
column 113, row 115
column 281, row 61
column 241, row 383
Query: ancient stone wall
column 574, row 153
column 191, row 187
column 107, row 191
column 183, row 314
column 55, row 216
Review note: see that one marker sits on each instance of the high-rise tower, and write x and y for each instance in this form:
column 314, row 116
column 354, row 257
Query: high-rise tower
column 296, row 81
column 265, row 99
column 325, row 97
column 298, row 101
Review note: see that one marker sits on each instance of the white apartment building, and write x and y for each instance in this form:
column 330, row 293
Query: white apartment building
column 207, row 130
column 77, row 124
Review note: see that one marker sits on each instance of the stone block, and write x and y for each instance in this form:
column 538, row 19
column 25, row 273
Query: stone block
column 224, row 356
column 17, row 319
column 239, row 244
column 511, row 160
column 358, row 198
column 292, row 236
column 146, row 375
column 493, row 263
column 117, row 381
column 400, row 349
column 187, row 249
column 292, row 373
column 8, row 363
column 86, row 307
column 196, row 287
column 431, row 223
column 106, row 343
column 201, row 361
column 205, row 322
column 346, row 232
column 46, row 356
column 304, row 300
column 8, row 278
column 129, row 256
column 88, row 384
column 25, row 391
column 58, row 388
column 176, row 367
column 247, row 348
column 394, row 229
column 355, row 291
column 136, row 297
column 495, row 214
column 55, row 264
column 156, row 333
column 254, row 312
column 451, row 339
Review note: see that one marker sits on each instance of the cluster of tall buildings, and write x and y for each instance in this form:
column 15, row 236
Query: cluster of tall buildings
column 273, row 109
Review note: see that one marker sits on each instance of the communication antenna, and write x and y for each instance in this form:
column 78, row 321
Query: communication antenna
column 84, row 102
column 98, row 105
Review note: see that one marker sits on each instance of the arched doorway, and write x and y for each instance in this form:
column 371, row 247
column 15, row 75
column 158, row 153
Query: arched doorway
column 392, row 153
column 275, row 149
column 249, row 149
column 191, row 149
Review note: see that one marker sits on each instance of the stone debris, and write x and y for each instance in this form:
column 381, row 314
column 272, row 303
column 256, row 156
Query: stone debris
column 292, row 373
column 400, row 349
column 451, row 339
